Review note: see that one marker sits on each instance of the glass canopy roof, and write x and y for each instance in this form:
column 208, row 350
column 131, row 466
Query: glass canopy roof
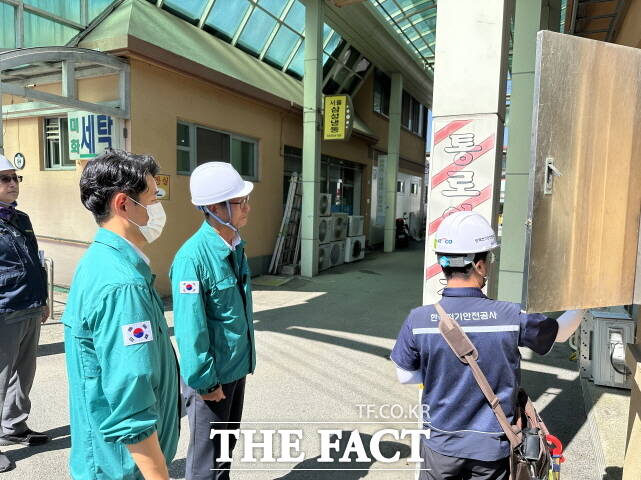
column 274, row 32
column 415, row 22
column 36, row 23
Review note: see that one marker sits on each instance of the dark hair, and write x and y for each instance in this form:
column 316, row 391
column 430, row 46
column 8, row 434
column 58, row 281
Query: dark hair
column 466, row 271
column 113, row 172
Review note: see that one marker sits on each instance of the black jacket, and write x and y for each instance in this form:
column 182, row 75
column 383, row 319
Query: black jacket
column 23, row 281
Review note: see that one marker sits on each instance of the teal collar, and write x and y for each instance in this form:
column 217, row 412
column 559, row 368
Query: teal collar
column 115, row 241
column 216, row 241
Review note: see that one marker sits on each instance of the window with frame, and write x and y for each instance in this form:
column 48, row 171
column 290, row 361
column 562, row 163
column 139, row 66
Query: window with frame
column 414, row 189
column 56, row 144
column 382, row 91
column 400, row 186
column 196, row 145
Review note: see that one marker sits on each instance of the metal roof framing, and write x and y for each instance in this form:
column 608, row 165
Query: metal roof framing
column 22, row 68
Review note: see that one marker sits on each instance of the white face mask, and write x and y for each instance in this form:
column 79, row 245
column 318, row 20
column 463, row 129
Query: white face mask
column 156, row 222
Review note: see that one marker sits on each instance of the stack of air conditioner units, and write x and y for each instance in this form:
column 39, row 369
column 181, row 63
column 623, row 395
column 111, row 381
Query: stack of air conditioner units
column 355, row 243
column 325, row 220
column 337, row 253
column 340, row 226
column 339, row 234
column 324, row 257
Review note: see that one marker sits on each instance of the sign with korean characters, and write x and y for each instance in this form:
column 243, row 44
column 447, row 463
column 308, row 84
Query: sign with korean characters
column 338, row 117
column 164, row 186
column 90, row 134
column 462, row 177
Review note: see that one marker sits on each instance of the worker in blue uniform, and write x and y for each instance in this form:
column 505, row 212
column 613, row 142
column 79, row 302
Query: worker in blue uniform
column 23, row 307
column 213, row 316
column 122, row 369
column 463, row 439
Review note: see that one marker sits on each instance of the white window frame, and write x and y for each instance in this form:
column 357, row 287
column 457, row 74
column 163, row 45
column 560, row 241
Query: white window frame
column 193, row 148
column 63, row 146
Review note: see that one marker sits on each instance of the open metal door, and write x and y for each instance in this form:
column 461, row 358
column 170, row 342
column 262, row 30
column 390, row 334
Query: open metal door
column 585, row 176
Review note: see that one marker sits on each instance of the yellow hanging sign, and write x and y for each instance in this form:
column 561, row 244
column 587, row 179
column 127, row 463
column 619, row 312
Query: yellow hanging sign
column 338, row 117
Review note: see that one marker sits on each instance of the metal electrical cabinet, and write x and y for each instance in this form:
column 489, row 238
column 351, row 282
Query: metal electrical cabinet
column 585, row 175
column 604, row 333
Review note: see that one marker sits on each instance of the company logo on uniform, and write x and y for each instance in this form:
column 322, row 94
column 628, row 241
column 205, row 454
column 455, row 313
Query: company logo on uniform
column 447, row 241
column 136, row 333
column 190, row 287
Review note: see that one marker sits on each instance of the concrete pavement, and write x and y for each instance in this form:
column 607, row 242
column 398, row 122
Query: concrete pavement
column 323, row 347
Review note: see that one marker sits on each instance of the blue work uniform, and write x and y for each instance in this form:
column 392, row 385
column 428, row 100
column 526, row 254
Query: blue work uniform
column 459, row 419
column 123, row 372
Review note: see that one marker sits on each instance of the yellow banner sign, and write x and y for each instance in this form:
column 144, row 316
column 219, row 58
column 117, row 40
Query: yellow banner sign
column 164, row 186
column 338, row 117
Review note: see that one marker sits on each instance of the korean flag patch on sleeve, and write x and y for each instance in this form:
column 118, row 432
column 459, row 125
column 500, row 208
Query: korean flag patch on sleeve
column 136, row 333
column 190, row 287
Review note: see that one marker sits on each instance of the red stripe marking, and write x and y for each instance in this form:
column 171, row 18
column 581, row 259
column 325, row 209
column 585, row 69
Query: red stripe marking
column 448, row 129
column 441, row 176
column 432, row 270
column 474, row 202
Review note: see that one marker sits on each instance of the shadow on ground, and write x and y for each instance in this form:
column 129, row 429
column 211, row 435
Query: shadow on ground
column 60, row 440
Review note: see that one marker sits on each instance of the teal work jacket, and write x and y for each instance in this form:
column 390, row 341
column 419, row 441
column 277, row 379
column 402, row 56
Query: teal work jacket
column 213, row 317
column 122, row 369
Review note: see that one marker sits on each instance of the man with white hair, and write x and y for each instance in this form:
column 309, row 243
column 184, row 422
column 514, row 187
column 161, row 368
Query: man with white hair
column 23, row 307
column 213, row 317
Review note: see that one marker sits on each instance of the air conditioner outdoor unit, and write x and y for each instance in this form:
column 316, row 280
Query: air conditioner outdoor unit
column 355, row 226
column 324, row 254
column 354, row 249
column 340, row 226
column 337, row 254
column 325, row 205
column 604, row 334
column 325, row 229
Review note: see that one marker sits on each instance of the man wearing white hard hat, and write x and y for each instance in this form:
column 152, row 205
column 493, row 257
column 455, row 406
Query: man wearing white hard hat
column 23, row 307
column 465, row 439
column 213, row 317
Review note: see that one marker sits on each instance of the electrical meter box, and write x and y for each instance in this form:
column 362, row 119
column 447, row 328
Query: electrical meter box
column 604, row 333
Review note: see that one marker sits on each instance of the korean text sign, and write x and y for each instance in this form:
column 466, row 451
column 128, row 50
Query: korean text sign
column 338, row 118
column 90, row 134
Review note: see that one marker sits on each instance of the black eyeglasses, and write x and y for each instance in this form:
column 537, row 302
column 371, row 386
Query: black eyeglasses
column 243, row 202
column 10, row 178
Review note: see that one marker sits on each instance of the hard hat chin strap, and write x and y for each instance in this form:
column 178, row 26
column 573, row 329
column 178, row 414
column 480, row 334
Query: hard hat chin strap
column 218, row 219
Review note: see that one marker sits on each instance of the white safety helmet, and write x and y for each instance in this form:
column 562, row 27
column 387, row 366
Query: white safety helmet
column 216, row 182
column 463, row 234
column 5, row 164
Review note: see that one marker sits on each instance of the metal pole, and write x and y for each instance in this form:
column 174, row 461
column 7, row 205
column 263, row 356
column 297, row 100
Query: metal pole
column 311, row 136
column 468, row 117
column 391, row 163
column 49, row 268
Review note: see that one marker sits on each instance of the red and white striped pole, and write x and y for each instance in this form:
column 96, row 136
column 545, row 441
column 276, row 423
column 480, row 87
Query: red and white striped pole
column 470, row 78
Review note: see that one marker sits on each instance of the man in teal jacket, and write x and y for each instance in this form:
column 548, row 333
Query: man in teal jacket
column 213, row 316
column 123, row 376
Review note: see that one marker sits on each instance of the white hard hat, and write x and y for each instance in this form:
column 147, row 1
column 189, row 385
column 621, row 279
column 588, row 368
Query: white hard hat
column 5, row 164
column 215, row 182
column 464, row 233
